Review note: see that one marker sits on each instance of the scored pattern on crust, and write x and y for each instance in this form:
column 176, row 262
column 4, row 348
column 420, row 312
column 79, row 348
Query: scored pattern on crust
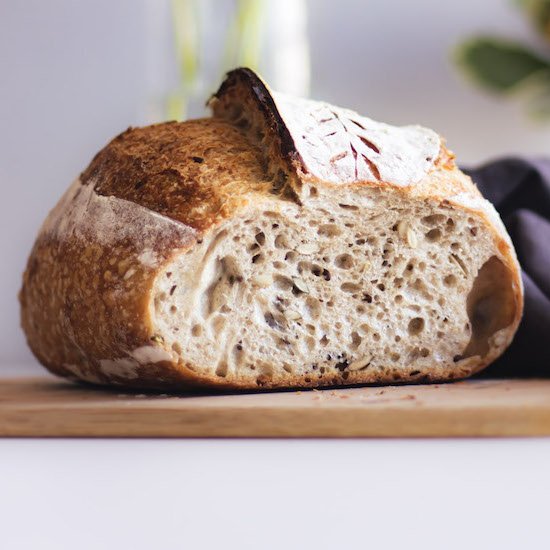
column 340, row 146
column 329, row 143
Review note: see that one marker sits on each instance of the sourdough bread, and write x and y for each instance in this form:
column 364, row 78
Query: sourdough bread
column 281, row 243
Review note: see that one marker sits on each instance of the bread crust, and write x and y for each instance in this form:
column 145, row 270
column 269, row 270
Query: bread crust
column 153, row 193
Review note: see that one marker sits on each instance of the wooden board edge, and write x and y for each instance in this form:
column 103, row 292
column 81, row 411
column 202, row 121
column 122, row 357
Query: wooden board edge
column 268, row 423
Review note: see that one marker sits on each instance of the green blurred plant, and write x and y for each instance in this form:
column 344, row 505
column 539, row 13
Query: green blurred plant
column 242, row 47
column 508, row 67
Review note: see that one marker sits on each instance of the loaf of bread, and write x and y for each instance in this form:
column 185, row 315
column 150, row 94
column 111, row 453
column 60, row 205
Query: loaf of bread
column 280, row 243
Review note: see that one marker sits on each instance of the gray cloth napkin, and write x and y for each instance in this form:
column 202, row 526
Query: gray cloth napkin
column 520, row 191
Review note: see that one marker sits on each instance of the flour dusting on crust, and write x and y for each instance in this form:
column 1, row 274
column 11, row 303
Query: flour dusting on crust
column 90, row 217
column 129, row 367
column 340, row 146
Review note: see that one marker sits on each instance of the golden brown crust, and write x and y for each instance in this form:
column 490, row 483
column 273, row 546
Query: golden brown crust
column 193, row 172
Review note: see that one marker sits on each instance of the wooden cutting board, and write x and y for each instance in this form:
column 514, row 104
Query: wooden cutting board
column 44, row 407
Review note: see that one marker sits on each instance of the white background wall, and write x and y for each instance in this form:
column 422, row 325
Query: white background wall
column 72, row 75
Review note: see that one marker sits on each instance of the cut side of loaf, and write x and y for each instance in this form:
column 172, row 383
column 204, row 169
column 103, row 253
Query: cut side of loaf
column 298, row 244
column 360, row 287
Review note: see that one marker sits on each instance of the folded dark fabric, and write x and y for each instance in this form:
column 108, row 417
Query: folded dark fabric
column 520, row 191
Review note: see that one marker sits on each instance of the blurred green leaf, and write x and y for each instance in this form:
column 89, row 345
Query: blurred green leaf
column 499, row 65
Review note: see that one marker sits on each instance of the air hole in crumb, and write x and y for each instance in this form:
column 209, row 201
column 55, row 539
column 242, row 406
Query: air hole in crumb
column 355, row 340
column 424, row 352
column 350, row 287
column 173, row 309
column 344, row 261
column 433, row 235
column 290, row 256
column 177, row 348
column 221, row 369
column 196, row 330
column 313, row 307
column 433, row 219
column 260, row 238
column 398, row 299
column 367, row 298
column 416, row 326
column 278, row 265
column 324, row 340
column 348, row 206
column 449, row 280
column 270, row 320
column 280, row 242
column 313, row 191
column 303, row 266
column 329, row 230
column 376, row 337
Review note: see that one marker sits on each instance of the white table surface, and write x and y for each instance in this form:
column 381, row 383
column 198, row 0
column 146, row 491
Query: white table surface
column 274, row 494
